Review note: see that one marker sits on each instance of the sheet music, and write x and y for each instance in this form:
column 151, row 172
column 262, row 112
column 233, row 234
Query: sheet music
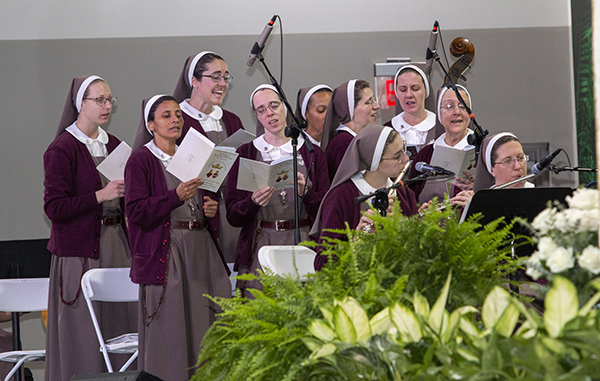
column 113, row 167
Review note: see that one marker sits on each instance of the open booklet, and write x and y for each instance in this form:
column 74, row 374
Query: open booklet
column 113, row 167
column 455, row 160
column 256, row 175
column 197, row 156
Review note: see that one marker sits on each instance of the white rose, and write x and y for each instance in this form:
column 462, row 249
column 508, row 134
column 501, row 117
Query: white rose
column 587, row 220
column 534, row 265
column 560, row 260
column 563, row 221
column 546, row 246
column 590, row 259
column 584, row 198
column 544, row 221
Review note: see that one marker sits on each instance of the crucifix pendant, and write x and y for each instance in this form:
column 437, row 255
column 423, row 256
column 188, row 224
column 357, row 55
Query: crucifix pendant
column 283, row 196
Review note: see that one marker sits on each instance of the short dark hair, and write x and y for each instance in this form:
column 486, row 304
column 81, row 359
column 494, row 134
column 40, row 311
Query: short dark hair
column 86, row 93
column 203, row 62
column 322, row 90
column 164, row 98
column 359, row 87
column 499, row 143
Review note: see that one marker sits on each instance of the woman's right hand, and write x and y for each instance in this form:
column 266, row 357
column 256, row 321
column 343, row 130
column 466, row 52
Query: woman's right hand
column 187, row 190
column 263, row 196
column 112, row 190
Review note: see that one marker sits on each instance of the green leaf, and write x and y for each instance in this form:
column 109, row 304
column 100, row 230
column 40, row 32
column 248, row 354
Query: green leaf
column 381, row 322
column 508, row 321
column 493, row 306
column 359, row 318
column 454, row 320
column 421, row 305
column 467, row 355
column 406, row 322
column 325, row 350
column 322, row 331
column 343, row 325
column 312, row 343
column 327, row 315
column 436, row 316
column 590, row 304
column 469, row 328
column 561, row 305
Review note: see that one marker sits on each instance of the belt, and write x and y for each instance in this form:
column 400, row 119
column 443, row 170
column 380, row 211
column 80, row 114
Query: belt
column 284, row 224
column 189, row 225
column 111, row 220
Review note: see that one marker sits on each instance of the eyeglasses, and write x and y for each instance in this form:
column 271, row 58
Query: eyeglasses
column 217, row 77
column 510, row 161
column 450, row 106
column 101, row 101
column 398, row 157
column 369, row 102
column 273, row 106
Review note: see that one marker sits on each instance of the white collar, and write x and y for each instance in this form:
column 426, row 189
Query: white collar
column 401, row 125
column 79, row 135
column 216, row 114
column 363, row 186
column 160, row 154
column 462, row 145
column 313, row 140
column 347, row 129
column 261, row 144
column 96, row 147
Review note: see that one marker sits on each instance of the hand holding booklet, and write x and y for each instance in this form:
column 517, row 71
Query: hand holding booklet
column 113, row 167
column 255, row 175
column 197, row 156
column 455, row 160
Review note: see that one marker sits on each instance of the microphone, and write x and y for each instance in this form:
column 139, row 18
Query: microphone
column 431, row 49
column 545, row 162
column 423, row 167
column 260, row 44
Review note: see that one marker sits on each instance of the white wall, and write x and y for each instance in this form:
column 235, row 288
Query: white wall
column 64, row 19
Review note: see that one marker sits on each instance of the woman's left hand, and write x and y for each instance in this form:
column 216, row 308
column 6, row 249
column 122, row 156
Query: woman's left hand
column 390, row 204
column 462, row 198
column 210, row 207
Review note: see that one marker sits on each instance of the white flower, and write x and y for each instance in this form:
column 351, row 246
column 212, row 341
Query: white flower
column 590, row 259
column 561, row 259
column 585, row 199
column 534, row 265
column 544, row 221
column 587, row 220
column 546, row 247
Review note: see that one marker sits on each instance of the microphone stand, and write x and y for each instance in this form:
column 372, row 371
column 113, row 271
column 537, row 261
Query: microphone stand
column 380, row 196
column 479, row 134
column 293, row 132
column 557, row 170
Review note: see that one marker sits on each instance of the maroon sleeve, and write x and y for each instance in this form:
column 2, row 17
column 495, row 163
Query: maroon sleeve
column 144, row 207
column 69, row 189
column 408, row 201
column 335, row 151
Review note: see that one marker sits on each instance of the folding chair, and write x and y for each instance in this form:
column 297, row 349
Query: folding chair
column 22, row 295
column 111, row 285
column 296, row 261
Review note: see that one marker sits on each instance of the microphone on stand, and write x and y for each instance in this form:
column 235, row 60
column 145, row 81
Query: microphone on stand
column 431, row 49
column 260, row 44
column 544, row 163
column 424, row 167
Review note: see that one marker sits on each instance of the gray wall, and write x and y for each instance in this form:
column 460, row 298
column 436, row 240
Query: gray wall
column 520, row 81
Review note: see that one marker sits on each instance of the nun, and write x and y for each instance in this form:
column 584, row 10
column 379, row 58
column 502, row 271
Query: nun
column 266, row 216
column 176, row 258
column 455, row 119
column 200, row 91
column 311, row 108
column 88, row 231
column 374, row 156
column 352, row 107
column 415, row 124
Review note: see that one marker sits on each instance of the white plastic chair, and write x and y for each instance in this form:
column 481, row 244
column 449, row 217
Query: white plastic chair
column 111, row 285
column 23, row 295
column 295, row 261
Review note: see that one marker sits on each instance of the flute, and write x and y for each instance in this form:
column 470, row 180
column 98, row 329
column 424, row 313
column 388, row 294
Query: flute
column 392, row 191
column 524, row 178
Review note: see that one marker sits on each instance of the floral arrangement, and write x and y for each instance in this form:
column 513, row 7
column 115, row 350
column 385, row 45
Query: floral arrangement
column 568, row 240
